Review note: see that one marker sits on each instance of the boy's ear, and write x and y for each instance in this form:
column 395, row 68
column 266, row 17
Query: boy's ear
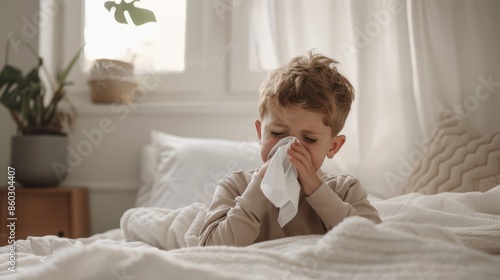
column 257, row 126
column 337, row 142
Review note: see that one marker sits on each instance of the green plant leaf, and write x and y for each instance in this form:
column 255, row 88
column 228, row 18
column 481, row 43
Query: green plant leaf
column 11, row 79
column 138, row 15
column 33, row 77
column 31, row 95
column 61, row 78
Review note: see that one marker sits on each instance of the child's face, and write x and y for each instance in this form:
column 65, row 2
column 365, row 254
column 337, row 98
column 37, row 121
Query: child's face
column 306, row 125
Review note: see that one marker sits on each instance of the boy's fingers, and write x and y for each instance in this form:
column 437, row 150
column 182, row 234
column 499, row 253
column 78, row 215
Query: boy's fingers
column 303, row 166
column 301, row 150
column 297, row 155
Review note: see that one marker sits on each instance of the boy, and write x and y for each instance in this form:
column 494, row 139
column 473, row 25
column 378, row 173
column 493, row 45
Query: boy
column 308, row 99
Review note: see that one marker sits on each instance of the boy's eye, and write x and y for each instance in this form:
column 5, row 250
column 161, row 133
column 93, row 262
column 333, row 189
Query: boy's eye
column 310, row 140
column 277, row 134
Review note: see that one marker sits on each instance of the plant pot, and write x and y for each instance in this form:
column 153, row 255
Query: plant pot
column 37, row 159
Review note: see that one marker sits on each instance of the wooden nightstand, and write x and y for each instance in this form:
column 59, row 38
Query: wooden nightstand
column 61, row 211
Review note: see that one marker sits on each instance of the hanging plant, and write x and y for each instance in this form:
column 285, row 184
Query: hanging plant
column 138, row 15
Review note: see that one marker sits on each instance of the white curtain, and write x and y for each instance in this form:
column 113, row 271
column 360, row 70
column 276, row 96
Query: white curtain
column 409, row 61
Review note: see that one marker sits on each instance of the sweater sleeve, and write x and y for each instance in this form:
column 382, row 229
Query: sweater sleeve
column 348, row 199
column 234, row 219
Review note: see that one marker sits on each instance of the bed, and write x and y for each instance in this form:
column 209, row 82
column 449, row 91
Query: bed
column 446, row 224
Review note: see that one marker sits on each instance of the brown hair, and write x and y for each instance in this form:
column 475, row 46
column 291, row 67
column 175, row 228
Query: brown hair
column 313, row 83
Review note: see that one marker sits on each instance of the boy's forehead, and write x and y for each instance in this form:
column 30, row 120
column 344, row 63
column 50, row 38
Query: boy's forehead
column 281, row 115
column 290, row 115
column 284, row 114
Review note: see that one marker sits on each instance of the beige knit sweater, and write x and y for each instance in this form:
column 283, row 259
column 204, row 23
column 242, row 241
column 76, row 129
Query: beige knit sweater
column 241, row 215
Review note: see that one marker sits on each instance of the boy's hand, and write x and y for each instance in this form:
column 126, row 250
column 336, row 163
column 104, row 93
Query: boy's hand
column 262, row 170
column 301, row 159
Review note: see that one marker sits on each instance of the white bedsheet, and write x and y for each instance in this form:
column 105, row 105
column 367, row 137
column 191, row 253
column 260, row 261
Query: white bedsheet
column 430, row 237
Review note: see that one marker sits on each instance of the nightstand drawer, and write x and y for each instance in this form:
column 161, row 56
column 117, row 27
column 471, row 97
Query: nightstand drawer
column 59, row 211
column 43, row 214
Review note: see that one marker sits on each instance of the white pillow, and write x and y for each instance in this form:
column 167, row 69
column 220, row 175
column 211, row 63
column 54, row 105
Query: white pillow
column 188, row 169
column 147, row 175
column 456, row 159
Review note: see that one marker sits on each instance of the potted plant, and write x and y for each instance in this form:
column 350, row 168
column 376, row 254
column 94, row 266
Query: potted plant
column 42, row 127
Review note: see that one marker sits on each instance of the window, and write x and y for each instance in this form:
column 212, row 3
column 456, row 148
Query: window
column 152, row 47
column 198, row 54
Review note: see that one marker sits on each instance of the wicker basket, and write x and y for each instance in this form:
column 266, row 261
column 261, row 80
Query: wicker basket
column 108, row 91
column 112, row 81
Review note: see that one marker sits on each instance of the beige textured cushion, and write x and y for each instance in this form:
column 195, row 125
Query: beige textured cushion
column 456, row 159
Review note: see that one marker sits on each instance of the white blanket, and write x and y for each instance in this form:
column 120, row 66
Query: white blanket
column 474, row 216
column 356, row 248
column 163, row 228
column 422, row 237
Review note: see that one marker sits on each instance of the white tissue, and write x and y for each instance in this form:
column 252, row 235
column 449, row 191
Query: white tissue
column 280, row 184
